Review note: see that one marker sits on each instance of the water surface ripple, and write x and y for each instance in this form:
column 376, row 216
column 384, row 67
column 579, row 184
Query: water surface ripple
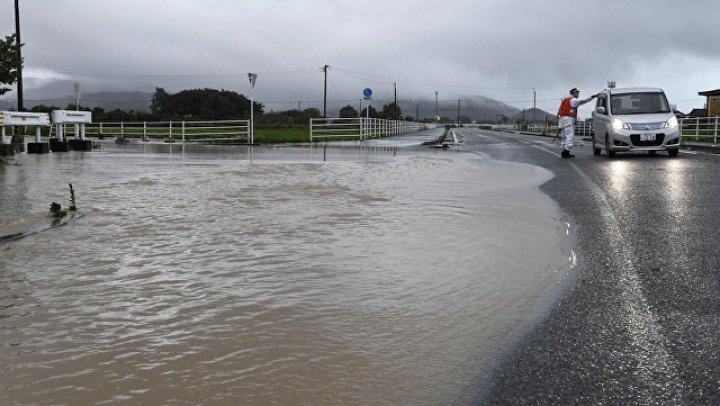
column 209, row 278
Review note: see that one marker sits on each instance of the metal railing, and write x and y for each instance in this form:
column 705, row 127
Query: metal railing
column 360, row 128
column 184, row 131
column 582, row 129
column 700, row 129
column 696, row 129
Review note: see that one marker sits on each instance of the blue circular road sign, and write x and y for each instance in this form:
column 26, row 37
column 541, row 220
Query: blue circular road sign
column 367, row 92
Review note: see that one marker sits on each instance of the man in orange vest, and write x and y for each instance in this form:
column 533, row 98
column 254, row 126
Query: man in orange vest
column 566, row 119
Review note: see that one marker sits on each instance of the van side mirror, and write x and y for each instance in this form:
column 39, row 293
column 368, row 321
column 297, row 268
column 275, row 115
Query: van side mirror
column 600, row 110
column 673, row 106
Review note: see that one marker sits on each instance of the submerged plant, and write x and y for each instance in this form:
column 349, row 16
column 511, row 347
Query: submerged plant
column 56, row 210
column 73, row 207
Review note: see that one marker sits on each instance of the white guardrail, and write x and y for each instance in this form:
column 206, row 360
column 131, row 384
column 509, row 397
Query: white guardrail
column 581, row 129
column 360, row 128
column 699, row 129
column 185, row 131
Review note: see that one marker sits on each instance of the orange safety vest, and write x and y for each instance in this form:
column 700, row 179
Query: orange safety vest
column 565, row 108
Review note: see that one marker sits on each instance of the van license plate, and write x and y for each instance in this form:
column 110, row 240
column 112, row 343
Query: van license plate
column 647, row 137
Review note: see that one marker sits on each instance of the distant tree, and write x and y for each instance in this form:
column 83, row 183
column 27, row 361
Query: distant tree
column 289, row 117
column 216, row 106
column 9, row 62
column 98, row 114
column 373, row 112
column 159, row 102
column 117, row 115
column 41, row 108
column 390, row 112
column 202, row 104
column 122, row 115
column 348, row 112
column 312, row 112
column 71, row 106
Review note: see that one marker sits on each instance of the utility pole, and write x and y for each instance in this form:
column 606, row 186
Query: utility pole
column 396, row 106
column 458, row 121
column 436, row 103
column 76, row 87
column 534, row 99
column 325, row 68
column 417, row 112
column 20, row 106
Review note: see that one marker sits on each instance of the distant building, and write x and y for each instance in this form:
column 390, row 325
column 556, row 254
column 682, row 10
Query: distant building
column 695, row 113
column 679, row 114
column 713, row 102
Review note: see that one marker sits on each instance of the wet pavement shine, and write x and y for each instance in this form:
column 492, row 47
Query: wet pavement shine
column 639, row 322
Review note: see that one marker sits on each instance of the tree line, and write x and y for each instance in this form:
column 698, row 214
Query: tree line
column 212, row 104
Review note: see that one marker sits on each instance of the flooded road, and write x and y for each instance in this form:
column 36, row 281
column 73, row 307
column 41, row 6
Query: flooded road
column 380, row 275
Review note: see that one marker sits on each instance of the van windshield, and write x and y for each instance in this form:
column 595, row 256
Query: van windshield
column 639, row 103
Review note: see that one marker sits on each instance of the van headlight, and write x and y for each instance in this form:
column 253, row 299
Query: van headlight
column 672, row 122
column 619, row 124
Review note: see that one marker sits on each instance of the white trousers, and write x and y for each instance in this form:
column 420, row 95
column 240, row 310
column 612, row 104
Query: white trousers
column 568, row 132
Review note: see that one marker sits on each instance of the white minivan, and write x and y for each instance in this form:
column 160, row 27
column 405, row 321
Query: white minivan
column 634, row 120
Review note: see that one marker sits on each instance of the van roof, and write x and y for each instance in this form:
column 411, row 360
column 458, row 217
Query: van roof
column 636, row 90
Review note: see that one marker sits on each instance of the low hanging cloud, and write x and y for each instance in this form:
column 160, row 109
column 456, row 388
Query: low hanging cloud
column 510, row 50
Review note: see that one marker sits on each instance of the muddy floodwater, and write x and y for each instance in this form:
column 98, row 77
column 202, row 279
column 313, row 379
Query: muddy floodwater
column 358, row 275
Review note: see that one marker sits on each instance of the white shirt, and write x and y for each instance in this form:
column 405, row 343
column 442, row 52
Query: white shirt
column 575, row 102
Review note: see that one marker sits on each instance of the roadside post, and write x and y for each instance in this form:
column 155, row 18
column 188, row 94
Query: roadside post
column 253, row 78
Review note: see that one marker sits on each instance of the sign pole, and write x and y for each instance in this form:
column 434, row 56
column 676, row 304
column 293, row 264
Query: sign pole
column 367, row 95
column 253, row 78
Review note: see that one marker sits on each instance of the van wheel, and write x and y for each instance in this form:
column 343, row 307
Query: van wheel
column 673, row 152
column 596, row 149
column 611, row 154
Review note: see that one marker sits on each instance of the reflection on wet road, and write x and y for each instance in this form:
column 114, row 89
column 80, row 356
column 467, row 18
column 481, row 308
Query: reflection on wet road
column 639, row 324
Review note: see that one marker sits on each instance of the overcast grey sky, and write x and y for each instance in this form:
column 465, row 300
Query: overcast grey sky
column 461, row 48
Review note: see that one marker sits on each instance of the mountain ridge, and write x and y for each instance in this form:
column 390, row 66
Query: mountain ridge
column 479, row 109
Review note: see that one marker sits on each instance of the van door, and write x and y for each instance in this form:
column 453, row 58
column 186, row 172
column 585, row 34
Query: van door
column 601, row 121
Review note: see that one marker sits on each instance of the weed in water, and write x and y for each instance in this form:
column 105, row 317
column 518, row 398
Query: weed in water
column 56, row 210
column 73, row 207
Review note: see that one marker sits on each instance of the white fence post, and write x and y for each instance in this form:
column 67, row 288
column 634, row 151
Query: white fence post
column 183, row 131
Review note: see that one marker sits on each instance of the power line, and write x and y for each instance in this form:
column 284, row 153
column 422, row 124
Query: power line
column 387, row 81
column 146, row 76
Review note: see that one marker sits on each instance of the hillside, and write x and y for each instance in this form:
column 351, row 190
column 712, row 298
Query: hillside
column 60, row 94
column 533, row 116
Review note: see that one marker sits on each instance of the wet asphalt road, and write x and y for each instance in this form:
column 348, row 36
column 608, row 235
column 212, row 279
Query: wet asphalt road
column 640, row 321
